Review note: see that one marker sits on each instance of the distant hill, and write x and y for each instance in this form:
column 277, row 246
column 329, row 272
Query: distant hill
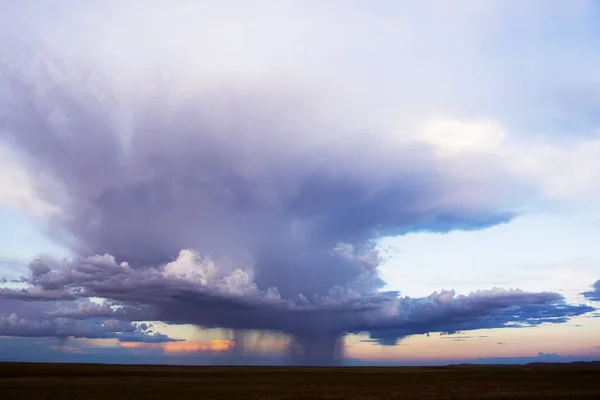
column 562, row 364
column 578, row 364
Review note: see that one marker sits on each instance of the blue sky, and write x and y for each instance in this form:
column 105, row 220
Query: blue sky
column 469, row 127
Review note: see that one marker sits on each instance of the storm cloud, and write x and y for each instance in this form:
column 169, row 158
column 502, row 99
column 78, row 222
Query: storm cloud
column 247, row 204
column 193, row 290
column 35, row 320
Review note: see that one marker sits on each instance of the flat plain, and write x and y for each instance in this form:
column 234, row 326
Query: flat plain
column 93, row 381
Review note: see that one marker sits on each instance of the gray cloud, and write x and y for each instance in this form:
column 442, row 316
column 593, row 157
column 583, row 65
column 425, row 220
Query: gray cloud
column 593, row 294
column 34, row 294
column 245, row 205
column 178, row 293
column 52, row 318
column 65, row 328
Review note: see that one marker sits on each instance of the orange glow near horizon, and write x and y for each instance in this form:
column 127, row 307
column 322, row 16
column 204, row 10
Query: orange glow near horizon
column 473, row 345
column 183, row 347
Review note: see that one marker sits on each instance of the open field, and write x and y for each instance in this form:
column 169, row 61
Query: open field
column 85, row 381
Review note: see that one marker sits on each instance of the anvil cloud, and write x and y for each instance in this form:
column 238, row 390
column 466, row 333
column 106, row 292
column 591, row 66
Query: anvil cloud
column 244, row 204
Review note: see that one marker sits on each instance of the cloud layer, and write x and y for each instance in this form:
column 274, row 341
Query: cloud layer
column 189, row 290
column 241, row 201
column 35, row 320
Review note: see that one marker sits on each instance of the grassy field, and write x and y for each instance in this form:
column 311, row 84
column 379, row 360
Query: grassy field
column 83, row 381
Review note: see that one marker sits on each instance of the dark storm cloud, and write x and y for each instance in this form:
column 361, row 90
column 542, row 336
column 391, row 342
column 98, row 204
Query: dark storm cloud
column 53, row 319
column 35, row 295
column 228, row 173
column 242, row 206
column 171, row 295
column 593, row 294
column 65, row 328
column 527, row 311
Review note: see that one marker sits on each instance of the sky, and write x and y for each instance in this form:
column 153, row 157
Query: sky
column 299, row 182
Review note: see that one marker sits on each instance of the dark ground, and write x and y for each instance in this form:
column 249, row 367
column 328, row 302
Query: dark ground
column 84, row 381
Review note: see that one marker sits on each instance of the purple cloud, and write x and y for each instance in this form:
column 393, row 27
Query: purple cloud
column 238, row 207
column 66, row 328
column 193, row 290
